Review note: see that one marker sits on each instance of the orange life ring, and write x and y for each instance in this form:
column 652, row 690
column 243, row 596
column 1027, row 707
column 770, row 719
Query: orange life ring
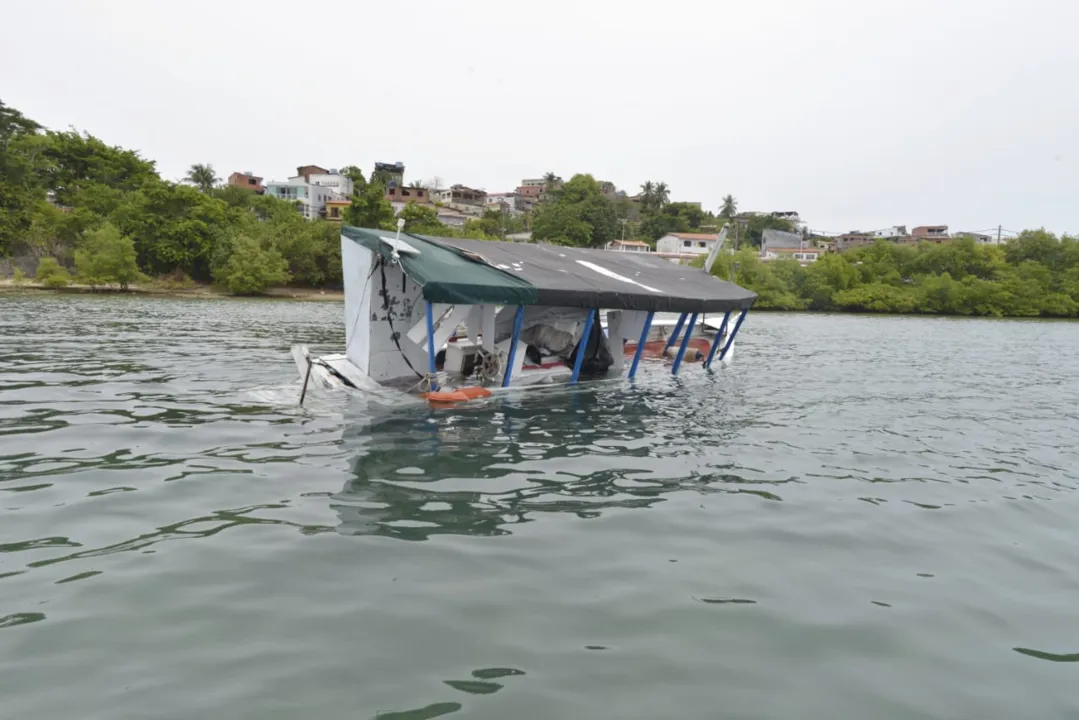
column 459, row 395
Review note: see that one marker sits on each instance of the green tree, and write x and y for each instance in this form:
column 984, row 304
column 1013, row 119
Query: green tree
column 202, row 176
column 354, row 174
column 824, row 278
column 648, row 195
column 78, row 160
column 561, row 225
column 729, row 208
column 581, row 215
column 250, row 269
column 20, row 188
column 18, row 277
column 51, row 274
column 106, row 257
column 370, row 208
column 238, row 197
column 175, row 227
column 420, row 219
column 657, row 224
column 757, row 224
column 663, row 194
column 14, row 124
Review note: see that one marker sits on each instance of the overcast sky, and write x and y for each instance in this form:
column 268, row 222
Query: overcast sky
column 859, row 114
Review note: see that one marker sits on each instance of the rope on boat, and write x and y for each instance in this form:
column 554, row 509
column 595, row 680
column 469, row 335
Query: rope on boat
column 427, row 383
column 306, row 378
column 389, row 318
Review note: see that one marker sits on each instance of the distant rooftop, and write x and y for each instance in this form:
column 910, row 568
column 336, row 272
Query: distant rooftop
column 774, row 239
column 694, row 236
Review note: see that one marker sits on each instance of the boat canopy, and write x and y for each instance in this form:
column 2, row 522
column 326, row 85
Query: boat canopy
column 446, row 275
column 475, row 272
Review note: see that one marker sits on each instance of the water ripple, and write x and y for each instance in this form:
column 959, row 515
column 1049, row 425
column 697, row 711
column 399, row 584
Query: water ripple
column 835, row 509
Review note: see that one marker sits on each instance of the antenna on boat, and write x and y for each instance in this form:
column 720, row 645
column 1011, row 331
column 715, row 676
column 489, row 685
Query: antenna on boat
column 396, row 256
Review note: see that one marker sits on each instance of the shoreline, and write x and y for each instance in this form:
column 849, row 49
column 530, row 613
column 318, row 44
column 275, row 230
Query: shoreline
column 208, row 292
column 202, row 292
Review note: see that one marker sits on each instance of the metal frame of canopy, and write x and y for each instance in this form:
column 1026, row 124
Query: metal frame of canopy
column 429, row 287
column 593, row 317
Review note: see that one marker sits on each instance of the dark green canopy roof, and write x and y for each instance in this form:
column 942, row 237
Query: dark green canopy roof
column 446, row 275
column 473, row 272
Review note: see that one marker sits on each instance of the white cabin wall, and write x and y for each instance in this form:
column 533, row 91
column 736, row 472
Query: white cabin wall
column 368, row 338
column 356, row 264
column 406, row 308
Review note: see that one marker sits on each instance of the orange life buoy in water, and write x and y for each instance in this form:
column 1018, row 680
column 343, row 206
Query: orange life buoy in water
column 459, row 395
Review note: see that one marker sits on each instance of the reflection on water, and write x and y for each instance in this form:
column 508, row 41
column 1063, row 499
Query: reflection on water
column 478, row 471
column 832, row 510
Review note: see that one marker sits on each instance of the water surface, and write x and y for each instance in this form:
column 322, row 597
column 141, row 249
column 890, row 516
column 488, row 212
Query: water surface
column 862, row 517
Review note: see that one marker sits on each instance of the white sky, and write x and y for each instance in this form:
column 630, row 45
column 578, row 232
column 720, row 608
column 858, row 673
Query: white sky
column 859, row 114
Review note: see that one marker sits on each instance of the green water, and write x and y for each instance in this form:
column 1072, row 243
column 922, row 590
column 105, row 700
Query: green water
column 861, row 518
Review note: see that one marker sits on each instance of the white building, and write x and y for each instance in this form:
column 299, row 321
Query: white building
column 980, row 238
column 452, row 218
column 895, row 232
column 495, row 199
column 333, row 180
column 311, row 198
column 630, row 246
column 803, row 255
column 686, row 243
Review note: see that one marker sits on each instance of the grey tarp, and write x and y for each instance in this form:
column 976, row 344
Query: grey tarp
column 578, row 277
column 473, row 272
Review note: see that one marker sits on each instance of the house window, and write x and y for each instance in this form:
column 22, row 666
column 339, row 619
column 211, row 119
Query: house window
column 687, row 243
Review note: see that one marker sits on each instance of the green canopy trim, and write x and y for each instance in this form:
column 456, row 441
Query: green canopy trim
column 445, row 275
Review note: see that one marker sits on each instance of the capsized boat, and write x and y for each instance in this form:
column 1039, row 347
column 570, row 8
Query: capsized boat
column 453, row 319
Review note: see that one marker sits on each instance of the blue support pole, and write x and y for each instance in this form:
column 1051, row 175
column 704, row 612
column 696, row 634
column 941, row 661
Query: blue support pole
column 730, row 340
column 717, row 341
column 684, row 345
column 674, row 336
column 583, row 346
column 431, row 344
column 640, row 345
column 517, row 319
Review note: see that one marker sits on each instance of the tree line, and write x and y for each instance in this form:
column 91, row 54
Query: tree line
column 103, row 211
column 79, row 203
column 1036, row 274
column 579, row 213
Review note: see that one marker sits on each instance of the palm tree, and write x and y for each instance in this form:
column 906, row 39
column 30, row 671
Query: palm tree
column 663, row 194
column 202, row 177
column 417, row 184
column 729, row 208
column 648, row 194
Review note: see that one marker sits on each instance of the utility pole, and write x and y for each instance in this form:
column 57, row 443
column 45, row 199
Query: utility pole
column 999, row 228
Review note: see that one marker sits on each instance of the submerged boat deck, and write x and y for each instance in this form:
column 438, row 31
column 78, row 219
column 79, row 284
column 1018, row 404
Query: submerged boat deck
column 406, row 296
